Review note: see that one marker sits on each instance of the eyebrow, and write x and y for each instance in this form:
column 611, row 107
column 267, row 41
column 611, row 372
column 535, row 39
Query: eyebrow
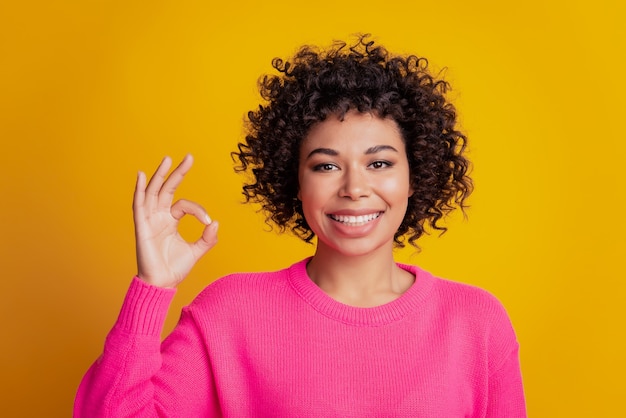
column 332, row 152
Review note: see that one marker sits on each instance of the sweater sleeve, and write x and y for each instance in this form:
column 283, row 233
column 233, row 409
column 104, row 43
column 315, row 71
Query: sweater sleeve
column 137, row 375
column 506, row 393
column 505, row 396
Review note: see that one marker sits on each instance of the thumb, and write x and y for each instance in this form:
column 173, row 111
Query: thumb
column 207, row 240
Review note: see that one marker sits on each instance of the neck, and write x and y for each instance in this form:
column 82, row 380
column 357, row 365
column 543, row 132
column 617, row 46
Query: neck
column 364, row 280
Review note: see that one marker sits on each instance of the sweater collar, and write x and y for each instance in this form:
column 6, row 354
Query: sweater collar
column 390, row 312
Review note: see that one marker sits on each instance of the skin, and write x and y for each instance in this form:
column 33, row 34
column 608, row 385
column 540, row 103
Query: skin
column 164, row 258
column 354, row 188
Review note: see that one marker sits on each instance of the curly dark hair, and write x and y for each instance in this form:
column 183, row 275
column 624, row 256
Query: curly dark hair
column 316, row 84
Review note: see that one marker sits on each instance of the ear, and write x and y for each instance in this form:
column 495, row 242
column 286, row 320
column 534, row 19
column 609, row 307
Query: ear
column 299, row 196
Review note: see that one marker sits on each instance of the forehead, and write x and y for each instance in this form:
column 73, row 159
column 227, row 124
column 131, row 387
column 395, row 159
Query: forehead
column 355, row 130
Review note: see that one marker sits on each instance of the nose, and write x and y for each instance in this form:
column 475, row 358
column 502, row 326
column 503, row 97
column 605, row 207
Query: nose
column 354, row 184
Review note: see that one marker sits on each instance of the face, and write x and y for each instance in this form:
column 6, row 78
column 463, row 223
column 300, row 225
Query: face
column 354, row 183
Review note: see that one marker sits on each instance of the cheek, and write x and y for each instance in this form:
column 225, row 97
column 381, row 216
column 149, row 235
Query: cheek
column 399, row 189
column 313, row 189
column 308, row 198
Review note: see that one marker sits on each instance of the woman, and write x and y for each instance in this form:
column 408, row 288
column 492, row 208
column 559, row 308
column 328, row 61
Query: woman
column 359, row 149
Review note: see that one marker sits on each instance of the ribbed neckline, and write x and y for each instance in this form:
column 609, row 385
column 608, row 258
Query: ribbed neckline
column 375, row 316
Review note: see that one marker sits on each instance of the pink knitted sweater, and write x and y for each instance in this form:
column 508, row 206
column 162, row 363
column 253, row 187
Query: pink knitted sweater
column 275, row 345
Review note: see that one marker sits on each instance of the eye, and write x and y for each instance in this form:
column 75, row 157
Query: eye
column 380, row 164
column 325, row 167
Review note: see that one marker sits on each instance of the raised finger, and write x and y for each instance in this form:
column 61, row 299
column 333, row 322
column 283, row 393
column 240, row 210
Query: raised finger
column 156, row 182
column 166, row 194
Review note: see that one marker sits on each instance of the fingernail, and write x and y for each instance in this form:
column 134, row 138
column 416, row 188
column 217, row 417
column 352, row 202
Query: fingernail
column 207, row 218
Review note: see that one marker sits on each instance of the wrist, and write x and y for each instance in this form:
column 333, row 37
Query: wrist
column 162, row 283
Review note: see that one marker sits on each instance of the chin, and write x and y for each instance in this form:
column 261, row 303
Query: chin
column 357, row 247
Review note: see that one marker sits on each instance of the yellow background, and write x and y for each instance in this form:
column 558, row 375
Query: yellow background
column 92, row 91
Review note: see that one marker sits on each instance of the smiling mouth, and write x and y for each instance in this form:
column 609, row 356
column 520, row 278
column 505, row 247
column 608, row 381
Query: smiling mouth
column 355, row 220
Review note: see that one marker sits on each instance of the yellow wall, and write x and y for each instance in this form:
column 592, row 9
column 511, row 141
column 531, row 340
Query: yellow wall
column 92, row 91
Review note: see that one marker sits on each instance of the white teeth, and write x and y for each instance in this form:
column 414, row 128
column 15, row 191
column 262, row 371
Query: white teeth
column 355, row 220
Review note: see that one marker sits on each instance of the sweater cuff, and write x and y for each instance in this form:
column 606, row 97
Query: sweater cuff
column 144, row 308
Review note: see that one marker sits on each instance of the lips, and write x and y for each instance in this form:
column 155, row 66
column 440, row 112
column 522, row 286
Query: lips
column 355, row 220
